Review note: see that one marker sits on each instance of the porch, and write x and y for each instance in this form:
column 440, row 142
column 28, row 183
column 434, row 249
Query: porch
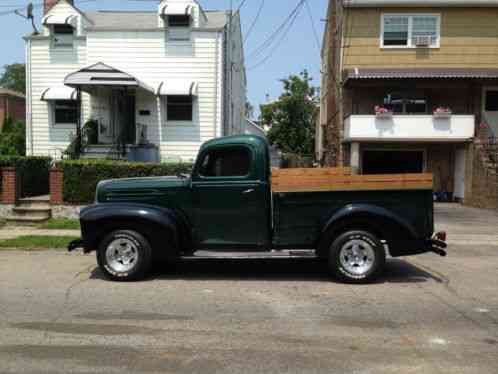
column 410, row 122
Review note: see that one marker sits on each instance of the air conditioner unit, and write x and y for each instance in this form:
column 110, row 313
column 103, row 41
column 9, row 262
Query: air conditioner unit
column 422, row 41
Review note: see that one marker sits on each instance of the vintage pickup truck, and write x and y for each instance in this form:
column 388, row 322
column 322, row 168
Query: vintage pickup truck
column 232, row 205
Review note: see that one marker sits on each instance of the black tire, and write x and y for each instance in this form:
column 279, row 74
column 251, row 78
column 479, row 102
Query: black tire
column 132, row 271
column 365, row 267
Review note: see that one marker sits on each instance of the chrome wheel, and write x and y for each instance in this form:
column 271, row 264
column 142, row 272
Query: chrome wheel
column 121, row 255
column 357, row 256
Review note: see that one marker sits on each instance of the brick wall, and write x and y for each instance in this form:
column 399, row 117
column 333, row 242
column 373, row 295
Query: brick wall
column 56, row 186
column 484, row 183
column 10, row 184
column 13, row 107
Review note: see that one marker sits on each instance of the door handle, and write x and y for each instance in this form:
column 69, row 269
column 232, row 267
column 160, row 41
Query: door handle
column 248, row 191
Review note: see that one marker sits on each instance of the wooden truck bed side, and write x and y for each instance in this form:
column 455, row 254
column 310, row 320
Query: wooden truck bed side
column 341, row 179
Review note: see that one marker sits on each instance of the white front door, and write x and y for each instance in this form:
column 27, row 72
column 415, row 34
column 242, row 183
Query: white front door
column 490, row 108
column 459, row 192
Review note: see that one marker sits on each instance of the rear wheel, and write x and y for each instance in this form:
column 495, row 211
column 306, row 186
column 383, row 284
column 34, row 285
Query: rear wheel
column 124, row 255
column 357, row 257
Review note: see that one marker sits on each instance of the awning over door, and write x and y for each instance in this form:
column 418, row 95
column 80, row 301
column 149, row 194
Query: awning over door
column 175, row 10
column 58, row 19
column 100, row 75
column 59, row 93
column 177, row 87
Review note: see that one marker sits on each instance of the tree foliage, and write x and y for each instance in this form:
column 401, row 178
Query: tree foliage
column 293, row 116
column 14, row 77
column 13, row 138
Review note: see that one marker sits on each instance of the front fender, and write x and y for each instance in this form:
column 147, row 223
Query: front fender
column 388, row 225
column 161, row 225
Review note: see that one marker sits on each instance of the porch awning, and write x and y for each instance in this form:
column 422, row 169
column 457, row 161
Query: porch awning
column 175, row 9
column 176, row 87
column 357, row 74
column 100, row 75
column 59, row 93
column 58, row 19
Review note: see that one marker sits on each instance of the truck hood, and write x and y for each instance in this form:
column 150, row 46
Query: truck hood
column 140, row 189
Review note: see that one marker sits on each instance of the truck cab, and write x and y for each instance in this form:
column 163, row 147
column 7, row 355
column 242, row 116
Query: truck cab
column 229, row 205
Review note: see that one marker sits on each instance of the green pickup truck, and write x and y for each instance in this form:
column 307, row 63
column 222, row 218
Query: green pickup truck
column 227, row 208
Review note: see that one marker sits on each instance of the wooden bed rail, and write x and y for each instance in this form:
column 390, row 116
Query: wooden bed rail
column 340, row 179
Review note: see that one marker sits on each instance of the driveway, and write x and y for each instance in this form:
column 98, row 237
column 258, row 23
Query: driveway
column 426, row 315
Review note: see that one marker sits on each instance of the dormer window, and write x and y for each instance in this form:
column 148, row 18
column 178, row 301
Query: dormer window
column 63, row 36
column 177, row 20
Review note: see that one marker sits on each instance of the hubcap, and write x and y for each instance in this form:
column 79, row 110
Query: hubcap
column 357, row 256
column 121, row 255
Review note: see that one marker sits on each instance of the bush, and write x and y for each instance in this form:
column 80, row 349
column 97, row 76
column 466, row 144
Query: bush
column 13, row 138
column 33, row 171
column 81, row 177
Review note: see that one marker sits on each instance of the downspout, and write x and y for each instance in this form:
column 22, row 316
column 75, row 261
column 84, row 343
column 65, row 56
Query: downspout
column 217, row 100
column 29, row 92
column 78, row 123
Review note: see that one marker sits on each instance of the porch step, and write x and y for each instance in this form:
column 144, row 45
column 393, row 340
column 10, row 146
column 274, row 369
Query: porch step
column 28, row 220
column 31, row 211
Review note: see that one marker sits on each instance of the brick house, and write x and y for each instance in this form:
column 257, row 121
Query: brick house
column 12, row 105
column 406, row 85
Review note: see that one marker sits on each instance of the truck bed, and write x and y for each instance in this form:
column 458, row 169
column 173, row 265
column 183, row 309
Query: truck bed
column 304, row 199
column 341, row 179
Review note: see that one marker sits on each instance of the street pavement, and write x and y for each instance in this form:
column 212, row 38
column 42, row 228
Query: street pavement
column 426, row 315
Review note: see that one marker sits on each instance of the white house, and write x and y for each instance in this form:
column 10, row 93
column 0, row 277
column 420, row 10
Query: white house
column 158, row 84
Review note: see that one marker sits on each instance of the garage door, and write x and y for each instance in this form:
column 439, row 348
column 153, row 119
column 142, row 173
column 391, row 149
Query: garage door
column 392, row 162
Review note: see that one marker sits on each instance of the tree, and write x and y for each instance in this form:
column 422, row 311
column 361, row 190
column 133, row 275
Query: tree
column 13, row 139
column 14, row 77
column 293, row 116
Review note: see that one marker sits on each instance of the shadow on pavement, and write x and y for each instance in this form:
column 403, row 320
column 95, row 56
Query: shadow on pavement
column 295, row 270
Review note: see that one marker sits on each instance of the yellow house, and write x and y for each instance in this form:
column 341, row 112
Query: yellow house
column 408, row 86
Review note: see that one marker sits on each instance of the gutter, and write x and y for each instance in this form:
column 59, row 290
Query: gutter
column 29, row 96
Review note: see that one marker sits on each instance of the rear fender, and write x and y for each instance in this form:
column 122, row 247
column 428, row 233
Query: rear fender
column 163, row 227
column 382, row 222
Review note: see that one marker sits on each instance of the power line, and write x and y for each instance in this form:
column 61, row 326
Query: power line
column 280, row 41
column 251, row 28
column 315, row 33
column 271, row 39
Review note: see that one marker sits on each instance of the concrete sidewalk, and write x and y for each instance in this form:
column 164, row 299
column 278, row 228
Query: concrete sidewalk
column 13, row 232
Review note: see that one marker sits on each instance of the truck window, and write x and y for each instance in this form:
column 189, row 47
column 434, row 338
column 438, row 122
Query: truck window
column 226, row 162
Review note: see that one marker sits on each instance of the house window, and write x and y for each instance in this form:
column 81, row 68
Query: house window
column 179, row 27
column 410, row 31
column 65, row 112
column 63, row 36
column 180, row 108
column 226, row 162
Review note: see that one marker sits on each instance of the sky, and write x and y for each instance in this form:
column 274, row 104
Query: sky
column 299, row 50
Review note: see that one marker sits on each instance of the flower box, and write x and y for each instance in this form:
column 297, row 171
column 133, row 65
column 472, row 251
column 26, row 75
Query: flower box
column 442, row 113
column 381, row 112
column 383, row 115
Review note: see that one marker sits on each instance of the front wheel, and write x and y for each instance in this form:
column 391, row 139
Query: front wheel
column 357, row 257
column 124, row 255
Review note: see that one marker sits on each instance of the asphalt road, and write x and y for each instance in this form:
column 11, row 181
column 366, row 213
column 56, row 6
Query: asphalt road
column 426, row 315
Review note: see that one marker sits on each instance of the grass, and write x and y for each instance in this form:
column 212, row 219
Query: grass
column 31, row 242
column 60, row 224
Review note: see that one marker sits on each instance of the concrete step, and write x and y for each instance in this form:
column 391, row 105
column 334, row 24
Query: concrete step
column 34, row 211
column 15, row 220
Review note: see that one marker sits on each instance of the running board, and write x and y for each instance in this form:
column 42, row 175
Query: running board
column 204, row 255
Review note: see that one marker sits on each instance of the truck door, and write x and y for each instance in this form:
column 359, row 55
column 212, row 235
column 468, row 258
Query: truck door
column 230, row 202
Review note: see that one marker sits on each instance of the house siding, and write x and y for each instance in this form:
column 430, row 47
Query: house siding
column 150, row 57
column 465, row 43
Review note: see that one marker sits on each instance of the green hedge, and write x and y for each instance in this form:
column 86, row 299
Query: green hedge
column 81, row 176
column 33, row 171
